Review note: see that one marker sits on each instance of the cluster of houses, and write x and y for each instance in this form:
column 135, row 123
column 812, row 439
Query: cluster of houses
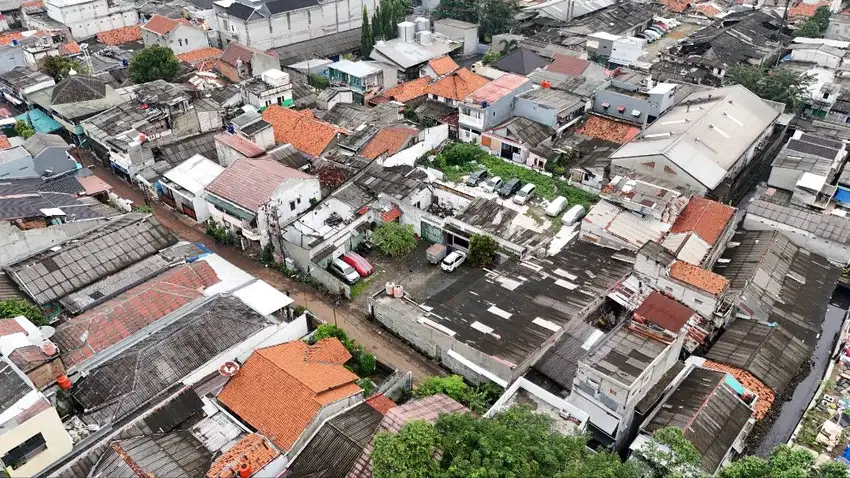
column 691, row 293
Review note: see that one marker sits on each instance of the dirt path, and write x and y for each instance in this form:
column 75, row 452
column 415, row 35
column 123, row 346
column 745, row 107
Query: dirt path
column 387, row 348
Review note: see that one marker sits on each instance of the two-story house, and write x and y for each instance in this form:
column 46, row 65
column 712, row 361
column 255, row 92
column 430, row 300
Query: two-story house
column 634, row 98
column 278, row 23
column 32, row 436
column 557, row 109
column 273, row 87
column 616, row 375
column 240, row 62
column 87, row 18
column 489, row 105
column 365, row 78
column 179, row 35
column 252, row 193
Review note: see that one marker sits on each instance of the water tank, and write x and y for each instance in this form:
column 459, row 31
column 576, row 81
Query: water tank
column 389, row 286
column 406, row 31
column 422, row 24
column 424, row 38
column 275, row 77
column 398, row 291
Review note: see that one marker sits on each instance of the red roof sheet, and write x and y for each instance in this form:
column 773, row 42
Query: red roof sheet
column 700, row 278
column 9, row 327
column 6, row 38
column 310, row 377
column 443, row 65
column 300, row 129
column 381, row 403
column 497, row 88
column 160, row 25
column 197, row 56
column 391, row 215
column 242, row 145
column 663, row 312
column 567, row 65
column 107, row 324
column 121, row 35
column 706, row 218
column 70, row 48
column 676, row 6
column 388, row 141
column 93, row 185
column 249, row 183
column 4, row 142
column 408, row 90
column 805, row 10
column 457, row 86
column 709, row 11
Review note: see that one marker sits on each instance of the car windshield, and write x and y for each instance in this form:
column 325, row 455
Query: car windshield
column 346, row 269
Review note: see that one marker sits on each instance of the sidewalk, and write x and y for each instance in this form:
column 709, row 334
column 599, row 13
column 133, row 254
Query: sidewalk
column 387, row 348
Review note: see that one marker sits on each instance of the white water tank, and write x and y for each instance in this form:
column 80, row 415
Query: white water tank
column 275, row 77
column 422, row 24
column 424, row 38
column 406, row 31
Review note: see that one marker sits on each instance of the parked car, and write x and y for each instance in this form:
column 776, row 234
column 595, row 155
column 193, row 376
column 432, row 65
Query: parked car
column 652, row 34
column 359, row 264
column 556, row 206
column 475, row 178
column 493, row 184
column 344, row 271
column 574, row 215
column 509, row 188
column 453, row 261
column 525, row 193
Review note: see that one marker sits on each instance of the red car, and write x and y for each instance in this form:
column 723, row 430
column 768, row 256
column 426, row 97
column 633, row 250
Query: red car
column 359, row 264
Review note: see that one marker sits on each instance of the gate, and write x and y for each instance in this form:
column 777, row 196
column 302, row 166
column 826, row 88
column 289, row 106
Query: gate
column 432, row 233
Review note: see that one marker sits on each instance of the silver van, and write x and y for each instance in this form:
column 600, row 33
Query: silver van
column 574, row 215
column 525, row 193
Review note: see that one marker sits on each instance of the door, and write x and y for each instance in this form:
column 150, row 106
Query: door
column 431, row 232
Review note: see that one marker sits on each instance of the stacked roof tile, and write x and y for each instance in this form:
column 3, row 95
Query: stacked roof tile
column 388, row 141
column 700, row 278
column 121, row 35
column 300, row 129
column 457, row 86
column 249, row 183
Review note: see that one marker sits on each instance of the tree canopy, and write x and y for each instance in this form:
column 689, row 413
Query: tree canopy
column 23, row 129
column 58, row 67
column 362, row 362
column 478, row 399
column 394, row 239
column 366, row 40
column 492, row 16
column 516, row 443
column 11, row 308
column 784, row 461
column 778, row 85
column 816, row 25
column 482, row 250
column 154, row 63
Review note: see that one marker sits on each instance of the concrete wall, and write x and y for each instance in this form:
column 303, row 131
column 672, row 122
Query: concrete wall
column 615, row 100
column 324, row 414
column 536, row 112
column 184, row 38
column 297, row 25
column 698, row 300
column 427, row 140
column 469, row 36
column 90, row 18
column 330, row 281
column 832, row 250
column 293, row 197
column 658, row 166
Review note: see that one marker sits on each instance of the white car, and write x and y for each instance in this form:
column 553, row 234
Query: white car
column 493, row 184
column 453, row 261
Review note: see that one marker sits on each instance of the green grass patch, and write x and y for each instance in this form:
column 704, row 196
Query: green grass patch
column 361, row 286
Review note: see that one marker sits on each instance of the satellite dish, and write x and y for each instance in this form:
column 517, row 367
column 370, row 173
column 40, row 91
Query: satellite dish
column 228, row 369
column 47, row 331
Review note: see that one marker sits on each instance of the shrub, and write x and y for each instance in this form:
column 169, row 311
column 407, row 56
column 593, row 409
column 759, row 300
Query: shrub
column 362, row 362
column 459, row 154
column 11, row 308
column 482, row 250
column 394, row 239
column 319, row 81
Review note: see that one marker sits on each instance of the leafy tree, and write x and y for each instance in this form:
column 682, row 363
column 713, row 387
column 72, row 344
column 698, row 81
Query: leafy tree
column 407, row 454
column 492, row 16
column 772, row 84
column 377, row 25
column 784, row 461
column 516, row 443
column 394, row 239
column 459, row 154
column 325, row 331
column 362, row 362
column 24, row 129
column 318, row 81
column 482, row 250
column 452, row 386
column 816, row 25
column 154, row 63
column 490, row 57
column 671, row 454
column 366, row 40
column 59, row 67
column 11, row 308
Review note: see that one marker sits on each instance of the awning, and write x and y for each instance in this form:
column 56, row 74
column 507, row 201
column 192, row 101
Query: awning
column 599, row 417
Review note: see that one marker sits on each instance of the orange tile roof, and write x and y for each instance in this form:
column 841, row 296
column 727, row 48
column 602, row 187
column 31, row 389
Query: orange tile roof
column 805, row 9
column 443, row 65
column 708, row 10
column 253, row 448
column 381, row 403
column 408, row 90
column 197, row 56
column 608, row 129
column 700, row 278
column 676, row 6
column 6, row 38
column 300, row 129
column 70, row 48
column 308, row 376
column 4, row 142
column 389, row 141
column 706, row 218
column 38, row 3
column 93, row 185
column 457, row 85
column 160, row 25
column 9, row 327
column 121, row 35
column 751, row 383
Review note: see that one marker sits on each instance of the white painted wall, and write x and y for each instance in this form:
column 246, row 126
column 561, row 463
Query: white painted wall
column 184, row 38
column 427, row 140
column 50, row 426
column 88, row 18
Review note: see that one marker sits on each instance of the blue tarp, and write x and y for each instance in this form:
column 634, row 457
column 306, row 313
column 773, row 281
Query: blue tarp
column 842, row 195
column 40, row 121
column 734, row 384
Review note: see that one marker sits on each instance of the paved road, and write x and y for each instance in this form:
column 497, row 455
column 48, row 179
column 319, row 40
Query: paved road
column 387, row 348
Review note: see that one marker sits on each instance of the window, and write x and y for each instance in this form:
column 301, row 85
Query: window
column 180, row 42
column 298, row 200
column 288, row 22
column 309, row 19
column 697, row 301
column 291, row 205
column 18, row 456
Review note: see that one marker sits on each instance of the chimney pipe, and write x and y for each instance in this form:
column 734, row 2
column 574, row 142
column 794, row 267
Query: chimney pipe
column 245, row 470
